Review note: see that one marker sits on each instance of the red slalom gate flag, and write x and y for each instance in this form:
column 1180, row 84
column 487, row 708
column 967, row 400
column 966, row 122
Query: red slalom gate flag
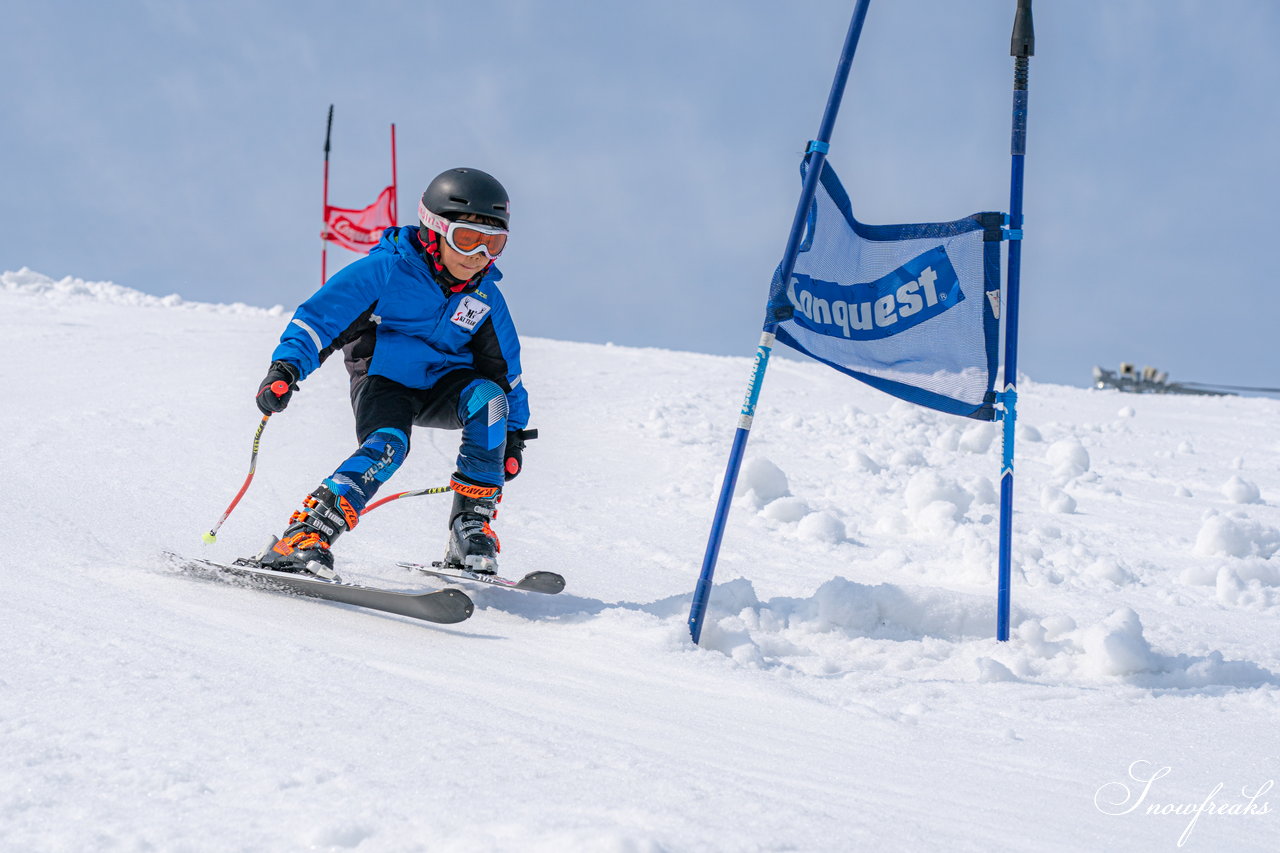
column 359, row 230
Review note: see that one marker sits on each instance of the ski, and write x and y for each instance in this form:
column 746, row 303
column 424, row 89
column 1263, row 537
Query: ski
column 548, row 583
column 445, row 606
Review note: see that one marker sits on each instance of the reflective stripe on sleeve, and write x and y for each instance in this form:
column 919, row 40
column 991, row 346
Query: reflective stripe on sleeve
column 315, row 339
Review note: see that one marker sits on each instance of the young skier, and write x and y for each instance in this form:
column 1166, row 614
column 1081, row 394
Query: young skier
column 428, row 340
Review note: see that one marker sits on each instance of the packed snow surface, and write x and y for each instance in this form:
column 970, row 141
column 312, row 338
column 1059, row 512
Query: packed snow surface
column 848, row 693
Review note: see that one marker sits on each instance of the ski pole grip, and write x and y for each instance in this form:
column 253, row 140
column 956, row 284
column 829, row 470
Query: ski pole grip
column 279, row 387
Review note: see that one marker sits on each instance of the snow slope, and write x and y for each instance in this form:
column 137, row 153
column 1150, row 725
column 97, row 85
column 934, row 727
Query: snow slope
column 848, row 694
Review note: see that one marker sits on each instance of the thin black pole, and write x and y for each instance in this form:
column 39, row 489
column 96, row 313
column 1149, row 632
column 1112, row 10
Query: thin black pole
column 324, row 217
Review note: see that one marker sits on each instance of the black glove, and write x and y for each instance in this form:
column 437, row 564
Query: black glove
column 268, row 401
column 513, row 456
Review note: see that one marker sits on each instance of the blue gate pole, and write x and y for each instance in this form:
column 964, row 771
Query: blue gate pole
column 1022, row 47
column 817, row 156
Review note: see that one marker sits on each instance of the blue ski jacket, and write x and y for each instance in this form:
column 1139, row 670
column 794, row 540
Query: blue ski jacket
column 419, row 331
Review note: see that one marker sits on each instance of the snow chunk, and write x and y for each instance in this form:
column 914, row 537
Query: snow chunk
column 928, row 487
column 1219, row 535
column 789, row 509
column 860, row 461
column 1029, row 434
column 1109, row 570
column 822, row 527
column 889, row 611
column 982, row 489
column 1056, row 626
column 1249, row 584
column 1235, row 536
column 948, row 439
column 1116, row 646
column 1053, row 499
column 1241, row 491
column 1199, row 574
column 763, row 480
column 990, row 670
column 907, row 457
column 978, row 438
column 730, row 636
column 939, row 518
column 1068, row 458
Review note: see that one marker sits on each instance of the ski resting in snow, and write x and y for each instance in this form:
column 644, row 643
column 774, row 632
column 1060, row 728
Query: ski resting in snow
column 548, row 583
column 444, row 606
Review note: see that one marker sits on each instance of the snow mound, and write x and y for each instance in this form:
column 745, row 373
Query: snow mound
column 1028, row 433
column 846, row 628
column 787, row 509
column 30, row 283
column 932, row 497
column 1250, row 585
column 822, row 527
column 978, row 438
column 1055, row 500
column 1236, row 535
column 1116, row 648
column 1110, row 570
column 1241, row 491
column 822, row 629
column 761, row 481
column 1068, row 458
column 859, row 461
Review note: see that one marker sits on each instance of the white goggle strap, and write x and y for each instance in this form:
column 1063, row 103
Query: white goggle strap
column 444, row 227
column 438, row 224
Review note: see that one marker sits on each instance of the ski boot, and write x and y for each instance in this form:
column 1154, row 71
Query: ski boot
column 472, row 543
column 304, row 546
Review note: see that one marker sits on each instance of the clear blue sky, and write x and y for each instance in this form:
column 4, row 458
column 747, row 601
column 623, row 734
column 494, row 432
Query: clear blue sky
column 651, row 152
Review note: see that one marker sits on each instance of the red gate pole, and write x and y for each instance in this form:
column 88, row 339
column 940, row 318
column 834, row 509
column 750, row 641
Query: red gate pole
column 395, row 190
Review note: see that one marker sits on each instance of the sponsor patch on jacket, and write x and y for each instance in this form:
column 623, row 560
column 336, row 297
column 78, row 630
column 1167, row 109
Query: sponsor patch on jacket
column 469, row 314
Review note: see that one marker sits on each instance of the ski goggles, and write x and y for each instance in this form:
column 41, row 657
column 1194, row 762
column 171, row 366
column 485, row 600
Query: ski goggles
column 466, row 238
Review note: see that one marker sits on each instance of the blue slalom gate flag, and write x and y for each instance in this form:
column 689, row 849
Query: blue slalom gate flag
column 913, row 310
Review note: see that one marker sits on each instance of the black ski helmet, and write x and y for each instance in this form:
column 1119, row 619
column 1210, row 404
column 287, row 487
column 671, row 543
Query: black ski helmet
column 460, row 191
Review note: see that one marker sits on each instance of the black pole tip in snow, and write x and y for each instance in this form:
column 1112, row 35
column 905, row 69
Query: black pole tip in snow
column 1023, row 43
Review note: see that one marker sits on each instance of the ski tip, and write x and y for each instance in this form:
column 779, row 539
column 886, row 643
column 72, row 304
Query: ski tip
column 459, row 609
column 549, row 583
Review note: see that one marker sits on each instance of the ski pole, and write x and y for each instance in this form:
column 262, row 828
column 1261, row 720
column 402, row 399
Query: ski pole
column 279, row 388
column 437, row 490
